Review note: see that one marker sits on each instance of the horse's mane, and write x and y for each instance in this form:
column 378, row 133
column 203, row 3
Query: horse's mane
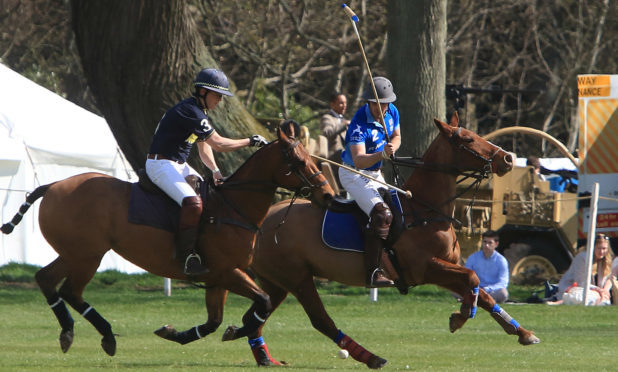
column 250, row 160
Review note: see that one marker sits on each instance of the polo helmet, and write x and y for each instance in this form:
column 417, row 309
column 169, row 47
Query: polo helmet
column 212, row 79
column 384, row 88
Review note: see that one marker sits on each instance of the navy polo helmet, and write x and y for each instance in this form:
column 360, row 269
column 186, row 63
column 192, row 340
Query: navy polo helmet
column 213, row 79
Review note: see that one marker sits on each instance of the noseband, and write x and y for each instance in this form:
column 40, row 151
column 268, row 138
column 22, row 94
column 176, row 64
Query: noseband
column 489, row 165
column 308, row 186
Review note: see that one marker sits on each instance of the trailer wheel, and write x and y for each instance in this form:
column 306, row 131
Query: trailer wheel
column 540, row 246
column 533, row 270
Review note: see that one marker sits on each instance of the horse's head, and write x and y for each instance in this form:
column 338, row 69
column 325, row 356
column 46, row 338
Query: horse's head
column 300, row 173
column 474, row 152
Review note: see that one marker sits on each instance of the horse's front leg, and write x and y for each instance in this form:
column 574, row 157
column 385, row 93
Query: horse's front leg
column 215, row 301
column 510, row 325
column 459, row 280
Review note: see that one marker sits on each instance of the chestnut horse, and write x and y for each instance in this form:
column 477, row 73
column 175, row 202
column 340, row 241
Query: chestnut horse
column 290, row 254
column 84, row 216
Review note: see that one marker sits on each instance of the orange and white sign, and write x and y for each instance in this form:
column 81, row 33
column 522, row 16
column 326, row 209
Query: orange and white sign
column 598, row 147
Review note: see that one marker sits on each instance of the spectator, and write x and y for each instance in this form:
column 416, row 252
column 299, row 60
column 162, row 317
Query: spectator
column 536, row 163
column 333, row 124
column 368, row 141
column 491, row 267
column 601, row 270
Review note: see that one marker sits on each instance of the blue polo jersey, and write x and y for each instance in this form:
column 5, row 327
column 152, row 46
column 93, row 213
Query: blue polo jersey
column 364, row 129
column 178, row 130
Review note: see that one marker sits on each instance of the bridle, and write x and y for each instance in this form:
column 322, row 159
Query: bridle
column 294, row 165
column 307, row 187
column 489, row 166
column 478, row 174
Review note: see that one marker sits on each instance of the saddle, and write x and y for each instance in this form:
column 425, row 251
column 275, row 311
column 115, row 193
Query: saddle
column 344, row 222
column 151, row 206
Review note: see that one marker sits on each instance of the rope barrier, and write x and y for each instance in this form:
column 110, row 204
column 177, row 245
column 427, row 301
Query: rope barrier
column 543, row 201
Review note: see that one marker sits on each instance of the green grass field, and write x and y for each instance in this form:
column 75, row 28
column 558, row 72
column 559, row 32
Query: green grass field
column 411, row 331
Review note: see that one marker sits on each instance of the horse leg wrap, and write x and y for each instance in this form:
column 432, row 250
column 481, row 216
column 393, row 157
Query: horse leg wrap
column 469, row 302
column 88, row 312
column 356, row 351
column 189, row 335
column 509, row 324
column 62, row 313
column 261, row 354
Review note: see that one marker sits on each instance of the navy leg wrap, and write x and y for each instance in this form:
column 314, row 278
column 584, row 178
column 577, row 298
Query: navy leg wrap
column 187, row 336
column 62, row 313
column 95, row 319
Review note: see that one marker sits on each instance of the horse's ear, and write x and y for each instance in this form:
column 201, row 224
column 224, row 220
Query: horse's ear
column 442, row 126
column 281, row 135
column 454, row 119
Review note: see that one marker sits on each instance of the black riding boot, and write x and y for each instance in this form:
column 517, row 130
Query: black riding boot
column 380, row 220
column 186, row 238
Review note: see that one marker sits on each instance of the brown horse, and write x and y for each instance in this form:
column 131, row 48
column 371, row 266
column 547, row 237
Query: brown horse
column 84, row 216
column 427, row 251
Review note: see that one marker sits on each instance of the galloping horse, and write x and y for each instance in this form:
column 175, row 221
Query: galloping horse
column 84, row 216
column 290, row 252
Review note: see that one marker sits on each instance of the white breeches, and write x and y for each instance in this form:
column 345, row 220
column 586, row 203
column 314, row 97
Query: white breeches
column 363, row 190
column 170, row 177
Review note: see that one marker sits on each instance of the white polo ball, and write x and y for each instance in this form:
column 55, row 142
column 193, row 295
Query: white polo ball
column 343, row 354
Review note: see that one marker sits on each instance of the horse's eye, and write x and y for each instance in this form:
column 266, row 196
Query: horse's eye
column 467, row 139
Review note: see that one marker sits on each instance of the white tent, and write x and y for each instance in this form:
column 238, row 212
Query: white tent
column 45, row 138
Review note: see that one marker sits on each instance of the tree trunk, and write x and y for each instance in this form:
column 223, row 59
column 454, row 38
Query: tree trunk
column 417, row 67
column 140, row 57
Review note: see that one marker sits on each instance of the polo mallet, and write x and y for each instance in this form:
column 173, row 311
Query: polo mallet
column 354, row 20
column 407, row 193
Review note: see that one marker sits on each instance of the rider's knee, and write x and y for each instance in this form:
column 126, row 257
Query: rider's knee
column 380, row 220
column 191, row 210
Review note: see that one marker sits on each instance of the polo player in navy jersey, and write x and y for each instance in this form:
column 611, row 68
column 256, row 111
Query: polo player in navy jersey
column 180, row 127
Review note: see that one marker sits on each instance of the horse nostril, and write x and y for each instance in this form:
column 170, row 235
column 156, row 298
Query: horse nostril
column 508, row 158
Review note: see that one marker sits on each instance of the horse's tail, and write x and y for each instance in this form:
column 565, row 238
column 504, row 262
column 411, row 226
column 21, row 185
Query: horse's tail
column 8, row 227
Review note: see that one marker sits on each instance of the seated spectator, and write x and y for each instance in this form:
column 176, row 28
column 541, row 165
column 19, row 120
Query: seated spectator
column 536, row 163
column 491, row 267
column 602, row 278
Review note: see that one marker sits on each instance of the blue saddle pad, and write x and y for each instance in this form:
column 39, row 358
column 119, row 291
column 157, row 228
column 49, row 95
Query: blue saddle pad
column 341, row 231
column 154, row 210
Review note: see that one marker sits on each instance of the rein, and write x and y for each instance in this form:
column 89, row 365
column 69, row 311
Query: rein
column 477, row 174
column 305, row 190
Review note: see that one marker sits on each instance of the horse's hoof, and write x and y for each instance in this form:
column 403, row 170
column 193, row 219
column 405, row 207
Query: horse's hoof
column 167, row 332
column 230, row 333
column 66, row 340
column 456, row 321
column 376, row 362
column 108, row 343
column 530, row 339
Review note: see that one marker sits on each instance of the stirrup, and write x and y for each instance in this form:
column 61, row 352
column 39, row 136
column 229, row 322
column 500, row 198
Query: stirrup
column 203, row 270
column 385, row 282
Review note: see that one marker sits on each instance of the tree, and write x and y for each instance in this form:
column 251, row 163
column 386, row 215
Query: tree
column 416, row 62
column 140, row 58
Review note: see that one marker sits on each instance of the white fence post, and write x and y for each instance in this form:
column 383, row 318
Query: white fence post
column 373, row 294
column 592, row 227
column 167, row 286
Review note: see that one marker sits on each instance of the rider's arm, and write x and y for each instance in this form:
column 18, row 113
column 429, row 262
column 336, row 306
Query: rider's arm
column 394, row 143
column 224, row 144
column 208, row 158
column 363, row 160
